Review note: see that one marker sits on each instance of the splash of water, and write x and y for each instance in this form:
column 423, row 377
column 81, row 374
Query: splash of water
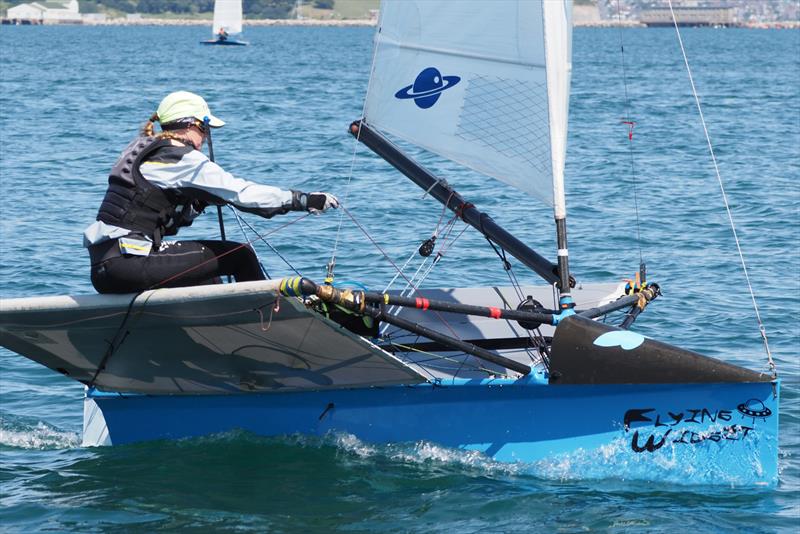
column 39, row 436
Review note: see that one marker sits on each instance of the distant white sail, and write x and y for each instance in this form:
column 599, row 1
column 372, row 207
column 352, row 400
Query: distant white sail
column 227, row 16
column 485, row 84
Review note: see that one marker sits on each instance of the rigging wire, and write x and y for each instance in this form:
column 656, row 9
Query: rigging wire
column 389, row 259
column 120, row 335
column 629, row 121
column 402, row 269
column 247, row 238
column 438, row 357
column 535, row 336
column 234, row 249
column 372, row 240
column 411, row 288
column 356, row 140
column 762, row 330
column 262, row 238
column 414, row 284
column 443, row 246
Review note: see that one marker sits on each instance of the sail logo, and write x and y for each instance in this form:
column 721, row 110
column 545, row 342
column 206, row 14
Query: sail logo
column 427, row 87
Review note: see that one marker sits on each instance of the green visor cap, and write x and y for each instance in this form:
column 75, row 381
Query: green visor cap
column 183, row 105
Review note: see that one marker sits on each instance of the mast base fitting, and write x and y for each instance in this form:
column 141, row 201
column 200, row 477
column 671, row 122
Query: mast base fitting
column 567, row 308
column 530, row 305
column 572, row 281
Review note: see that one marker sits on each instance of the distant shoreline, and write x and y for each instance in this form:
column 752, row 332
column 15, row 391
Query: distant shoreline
column 373, row 22
column 246, row 22
column 791, row 25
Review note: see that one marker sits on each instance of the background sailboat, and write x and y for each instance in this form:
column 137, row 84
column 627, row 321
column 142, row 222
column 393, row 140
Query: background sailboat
column 227, row 27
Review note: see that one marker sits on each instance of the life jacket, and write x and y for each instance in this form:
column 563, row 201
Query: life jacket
column 133, row 203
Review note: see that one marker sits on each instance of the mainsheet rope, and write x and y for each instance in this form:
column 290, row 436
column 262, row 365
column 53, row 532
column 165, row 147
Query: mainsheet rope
column 761, row 328
column 262, row 238
column 413, row 285
column 385, row 255
column 412, row 255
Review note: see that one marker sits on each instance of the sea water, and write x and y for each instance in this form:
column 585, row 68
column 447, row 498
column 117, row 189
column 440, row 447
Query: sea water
column 72, row 97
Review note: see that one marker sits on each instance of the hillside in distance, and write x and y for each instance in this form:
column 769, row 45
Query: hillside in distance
column 203, row 9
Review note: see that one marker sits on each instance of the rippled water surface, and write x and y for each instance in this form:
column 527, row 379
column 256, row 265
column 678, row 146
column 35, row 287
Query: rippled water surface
column 72, row 97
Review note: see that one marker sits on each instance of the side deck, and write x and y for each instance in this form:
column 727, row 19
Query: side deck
column 245, row 338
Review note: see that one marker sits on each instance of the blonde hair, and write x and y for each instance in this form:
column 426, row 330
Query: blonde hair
column 148, row 130
column 148, row 127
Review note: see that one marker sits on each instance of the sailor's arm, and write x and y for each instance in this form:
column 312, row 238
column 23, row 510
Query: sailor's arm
column 196, row 176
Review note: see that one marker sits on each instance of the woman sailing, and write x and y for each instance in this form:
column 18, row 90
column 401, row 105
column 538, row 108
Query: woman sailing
column 160, row 183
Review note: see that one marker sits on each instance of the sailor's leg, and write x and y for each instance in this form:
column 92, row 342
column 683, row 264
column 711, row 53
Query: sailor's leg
column 235, row 259
column 181, row 264
column 177, row 264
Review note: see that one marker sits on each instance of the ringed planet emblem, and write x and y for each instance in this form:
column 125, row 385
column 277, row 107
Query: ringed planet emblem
column 427, row 87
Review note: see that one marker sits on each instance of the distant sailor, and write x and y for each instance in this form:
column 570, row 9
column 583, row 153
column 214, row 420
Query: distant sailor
column 160, row 183
column 222, row 35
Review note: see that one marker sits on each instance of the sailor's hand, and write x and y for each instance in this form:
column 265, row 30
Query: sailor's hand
column 318, row 202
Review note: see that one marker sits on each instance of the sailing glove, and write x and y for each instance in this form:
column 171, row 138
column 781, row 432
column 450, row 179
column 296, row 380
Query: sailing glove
column 316, row 202
column 319, row 202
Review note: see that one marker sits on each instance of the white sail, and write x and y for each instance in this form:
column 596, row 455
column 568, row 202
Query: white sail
column 227, row 16
column 485, row 84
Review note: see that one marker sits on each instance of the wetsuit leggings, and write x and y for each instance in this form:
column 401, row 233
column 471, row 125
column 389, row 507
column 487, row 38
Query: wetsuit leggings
column 178, row 264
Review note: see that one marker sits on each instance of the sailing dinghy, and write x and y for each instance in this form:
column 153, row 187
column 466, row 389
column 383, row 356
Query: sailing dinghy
column 533, row 374
column 227, row 26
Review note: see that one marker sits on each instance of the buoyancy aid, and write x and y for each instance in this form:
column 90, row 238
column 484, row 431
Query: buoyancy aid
column 134, row 203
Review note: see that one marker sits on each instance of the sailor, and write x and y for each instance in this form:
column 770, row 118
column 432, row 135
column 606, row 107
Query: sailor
column 222, row 35
column 160, row 183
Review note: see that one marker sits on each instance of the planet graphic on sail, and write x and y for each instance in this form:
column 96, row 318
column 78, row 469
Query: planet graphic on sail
column 427, row 87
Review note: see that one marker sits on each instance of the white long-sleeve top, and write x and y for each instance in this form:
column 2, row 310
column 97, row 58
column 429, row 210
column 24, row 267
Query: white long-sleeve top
column 183, row 168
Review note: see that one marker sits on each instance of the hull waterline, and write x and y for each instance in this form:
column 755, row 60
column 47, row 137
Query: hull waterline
column 692, row 433
column 227, row 42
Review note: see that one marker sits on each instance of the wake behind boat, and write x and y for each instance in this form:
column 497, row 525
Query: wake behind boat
column 227, row 26
column 521, row 373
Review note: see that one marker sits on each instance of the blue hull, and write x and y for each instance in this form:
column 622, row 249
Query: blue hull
column 227, row 42
column 715, row 433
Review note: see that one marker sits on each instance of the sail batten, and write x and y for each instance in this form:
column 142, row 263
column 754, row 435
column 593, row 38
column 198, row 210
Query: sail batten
column 461, row 53
column 471, row 81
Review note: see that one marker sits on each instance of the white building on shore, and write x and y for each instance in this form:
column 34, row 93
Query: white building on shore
column 66, row 12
